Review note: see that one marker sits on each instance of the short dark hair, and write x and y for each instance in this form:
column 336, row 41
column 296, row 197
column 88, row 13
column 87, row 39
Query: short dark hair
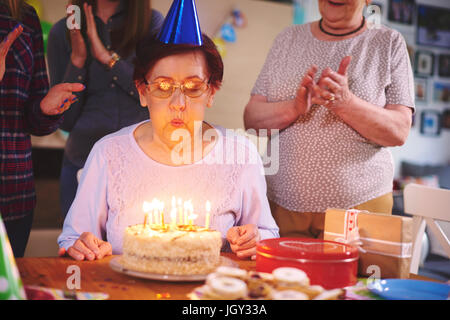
column 151, row 50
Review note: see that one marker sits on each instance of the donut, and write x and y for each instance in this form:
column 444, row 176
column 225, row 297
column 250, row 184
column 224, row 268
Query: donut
column 231, row 272
column 264, row 276
column 312, row 291
column 290, row 276
column 228, row 288
column 329, row 295
column 289, row 295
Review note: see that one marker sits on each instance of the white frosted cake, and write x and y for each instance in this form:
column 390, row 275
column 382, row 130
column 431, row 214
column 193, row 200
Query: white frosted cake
column 173, row 250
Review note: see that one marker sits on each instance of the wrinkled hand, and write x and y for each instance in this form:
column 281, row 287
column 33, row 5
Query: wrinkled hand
column 98, row 50
column 5, row 45
column 243, row 240
column 305, row 91
column 60, row 97
column 87, row 247
column 332, row 90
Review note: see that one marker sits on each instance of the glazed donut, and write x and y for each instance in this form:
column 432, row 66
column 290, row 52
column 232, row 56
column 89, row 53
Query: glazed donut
column 228, row 288
column 290, row 276
column 329, row 295
column 210, row 277
column 264, row 276
column 231, row 272
column 289, row 295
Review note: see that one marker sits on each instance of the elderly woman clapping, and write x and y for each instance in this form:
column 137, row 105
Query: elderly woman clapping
column 341, row 92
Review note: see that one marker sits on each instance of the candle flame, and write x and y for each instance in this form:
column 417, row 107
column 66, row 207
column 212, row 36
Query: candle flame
column 146, row 207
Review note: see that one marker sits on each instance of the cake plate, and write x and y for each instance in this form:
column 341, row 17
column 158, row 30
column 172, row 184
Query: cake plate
column 117, row 266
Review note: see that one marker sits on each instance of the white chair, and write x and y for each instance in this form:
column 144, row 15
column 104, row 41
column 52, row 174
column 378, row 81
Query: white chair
column 426, row 204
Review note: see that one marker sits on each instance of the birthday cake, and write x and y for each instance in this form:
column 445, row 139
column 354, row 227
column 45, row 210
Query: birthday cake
column 171, row 250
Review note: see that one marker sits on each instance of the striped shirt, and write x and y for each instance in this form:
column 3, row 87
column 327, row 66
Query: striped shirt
column 22, row 88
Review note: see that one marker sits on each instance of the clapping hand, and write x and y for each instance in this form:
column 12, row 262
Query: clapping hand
column 332, row 89
column 98, row 50
column 79, row 50
column 303, row 99
column 5, row 45
column 87, row 247
column 243, row 240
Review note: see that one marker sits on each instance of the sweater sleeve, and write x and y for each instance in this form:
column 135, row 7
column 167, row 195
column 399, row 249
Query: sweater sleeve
column 255, row 207
column 89, row 210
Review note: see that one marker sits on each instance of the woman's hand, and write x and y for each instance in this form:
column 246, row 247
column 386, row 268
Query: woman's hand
column 79, row 51
column 305, row 92
column 243, row 240
column 332, row 89
column 98, row 50
column 5, row 45
column 87, row 247
column 60, row 97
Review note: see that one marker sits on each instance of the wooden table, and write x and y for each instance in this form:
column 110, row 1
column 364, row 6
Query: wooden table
column 97, row 276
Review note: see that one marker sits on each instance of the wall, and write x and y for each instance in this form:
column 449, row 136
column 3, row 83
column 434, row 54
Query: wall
column 244, row 59
column 419, row 148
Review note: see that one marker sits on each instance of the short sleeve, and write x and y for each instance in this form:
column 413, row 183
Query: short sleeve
column 401, row 87
column 262, row 83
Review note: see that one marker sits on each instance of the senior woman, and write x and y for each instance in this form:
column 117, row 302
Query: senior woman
column 149, row 160
column 341, row 92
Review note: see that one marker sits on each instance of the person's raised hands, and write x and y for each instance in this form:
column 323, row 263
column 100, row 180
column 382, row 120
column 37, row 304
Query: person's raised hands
column 5, row 45
column 332, row 89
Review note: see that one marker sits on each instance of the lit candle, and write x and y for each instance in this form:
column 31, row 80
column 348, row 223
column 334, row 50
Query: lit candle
column 208, row 213
column 161, row 213
column 173, row 217
column 173, row 212
column 180, row 211
column 185, row 212
column 155, row 210
column 192, row 218
column 147, row 207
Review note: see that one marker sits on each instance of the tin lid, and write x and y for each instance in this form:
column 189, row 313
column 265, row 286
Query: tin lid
column 305, row 248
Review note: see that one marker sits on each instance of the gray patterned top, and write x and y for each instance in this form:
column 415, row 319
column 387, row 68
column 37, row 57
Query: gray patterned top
column 323, row 162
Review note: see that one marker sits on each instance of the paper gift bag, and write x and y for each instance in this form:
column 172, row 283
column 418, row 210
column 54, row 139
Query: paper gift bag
column 385, row 241
column 11, row 287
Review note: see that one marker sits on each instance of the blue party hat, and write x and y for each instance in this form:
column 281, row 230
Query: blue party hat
column 181, row 25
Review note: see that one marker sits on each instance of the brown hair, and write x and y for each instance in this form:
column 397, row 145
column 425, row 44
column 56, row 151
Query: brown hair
column 134, row 28
column 149, row 52
column 15, row 7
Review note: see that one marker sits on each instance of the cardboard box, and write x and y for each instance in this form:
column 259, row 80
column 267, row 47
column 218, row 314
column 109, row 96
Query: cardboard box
column 385, row 240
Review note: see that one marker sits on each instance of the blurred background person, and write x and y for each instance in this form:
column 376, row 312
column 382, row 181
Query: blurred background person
column 100, row 56
column 25, row 109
